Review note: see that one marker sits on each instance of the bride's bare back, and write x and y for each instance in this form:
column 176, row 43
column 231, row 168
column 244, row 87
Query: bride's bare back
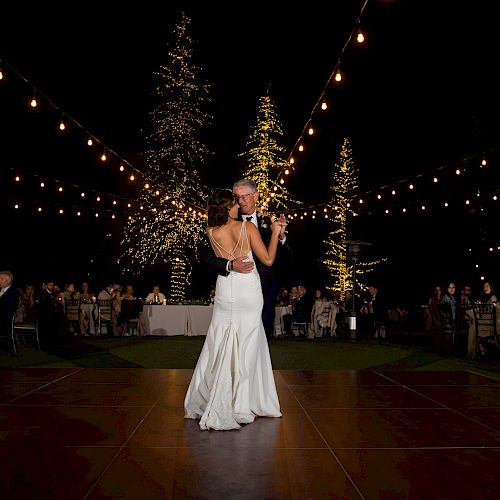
column 236, row 238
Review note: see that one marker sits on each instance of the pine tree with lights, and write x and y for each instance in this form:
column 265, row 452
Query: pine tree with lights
column 168, row 224
column 266, row 156
column 345, row 182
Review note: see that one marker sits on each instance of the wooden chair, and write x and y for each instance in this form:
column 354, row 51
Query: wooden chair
column 105, row 315
column 72, row 315
column 485, row 320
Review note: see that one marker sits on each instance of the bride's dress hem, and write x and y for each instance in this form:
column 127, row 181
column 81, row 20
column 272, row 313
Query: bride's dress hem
column 233, row 381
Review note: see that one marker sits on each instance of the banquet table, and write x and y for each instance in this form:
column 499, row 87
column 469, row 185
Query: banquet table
column 189, row 320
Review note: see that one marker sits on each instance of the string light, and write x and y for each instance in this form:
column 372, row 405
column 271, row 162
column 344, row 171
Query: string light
column 338, row 73
column 360, row 37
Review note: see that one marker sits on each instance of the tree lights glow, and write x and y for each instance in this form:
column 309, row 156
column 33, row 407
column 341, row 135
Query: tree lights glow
column 266, row 156
column 165, row 229
column 345, row 182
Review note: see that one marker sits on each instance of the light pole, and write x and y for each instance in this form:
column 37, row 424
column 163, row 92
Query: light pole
column 353, row 249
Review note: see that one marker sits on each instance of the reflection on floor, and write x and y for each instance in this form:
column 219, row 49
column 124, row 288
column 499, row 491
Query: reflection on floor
column 120, row 433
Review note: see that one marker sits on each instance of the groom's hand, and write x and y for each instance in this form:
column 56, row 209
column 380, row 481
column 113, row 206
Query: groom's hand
column 241, row 265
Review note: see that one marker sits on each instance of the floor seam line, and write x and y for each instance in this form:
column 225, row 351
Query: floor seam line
column 444, row 406
column 341, row 465
column 42, row 386
column 115, row 456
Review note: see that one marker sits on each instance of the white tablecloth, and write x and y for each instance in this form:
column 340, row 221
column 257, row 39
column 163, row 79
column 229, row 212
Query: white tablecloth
column 187, row 320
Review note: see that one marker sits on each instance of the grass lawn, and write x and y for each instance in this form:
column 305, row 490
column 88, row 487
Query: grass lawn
column 297, row 354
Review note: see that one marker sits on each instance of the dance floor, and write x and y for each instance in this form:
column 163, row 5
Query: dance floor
column 120, row 433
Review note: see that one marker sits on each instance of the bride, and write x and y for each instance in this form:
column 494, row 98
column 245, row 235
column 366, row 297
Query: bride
column 233, row 380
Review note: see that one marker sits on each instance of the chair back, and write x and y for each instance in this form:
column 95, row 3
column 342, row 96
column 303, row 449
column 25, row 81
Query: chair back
column 130, row 309
column 485, row 318
column 104, row 308
column 72, row 309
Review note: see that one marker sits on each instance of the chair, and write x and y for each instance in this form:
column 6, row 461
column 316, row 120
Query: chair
column 7, row 332
column 22, row 329
column 299, row 319
column 72, row 315
column 130, row 310
column 485, row 321
column 105, row 315
column 443, row 330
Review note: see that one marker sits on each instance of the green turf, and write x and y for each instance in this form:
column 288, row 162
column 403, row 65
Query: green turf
column 297, row 354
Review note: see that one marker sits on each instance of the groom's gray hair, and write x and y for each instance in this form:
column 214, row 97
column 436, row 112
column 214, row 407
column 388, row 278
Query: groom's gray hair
column 249, row 183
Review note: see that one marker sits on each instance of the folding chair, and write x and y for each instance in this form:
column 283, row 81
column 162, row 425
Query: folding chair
column 23, row 329
column 7, row 332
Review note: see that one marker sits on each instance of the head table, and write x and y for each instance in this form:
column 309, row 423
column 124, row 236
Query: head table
column 189, row 320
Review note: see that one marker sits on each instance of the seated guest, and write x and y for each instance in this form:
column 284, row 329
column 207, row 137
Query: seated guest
column 322, row 322
column 155, row 296
column 488, row 296
column 47, row 315
column 59, row 312
column 107, row 292
column 84, row 295
column 448, row 320
column 373, row 312
column 30, row 304
column 128, row 294
column 69, row 292
column 284, row 298
column 9, row 300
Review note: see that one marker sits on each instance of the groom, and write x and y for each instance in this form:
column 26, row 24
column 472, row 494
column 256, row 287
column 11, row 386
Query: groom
column 245, row 192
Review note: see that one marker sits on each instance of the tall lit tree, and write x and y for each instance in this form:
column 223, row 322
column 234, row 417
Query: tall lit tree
column 167, row 223
column 344, row 183
column 265, row 156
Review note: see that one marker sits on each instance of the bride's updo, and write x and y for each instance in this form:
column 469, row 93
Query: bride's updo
column 219, row 204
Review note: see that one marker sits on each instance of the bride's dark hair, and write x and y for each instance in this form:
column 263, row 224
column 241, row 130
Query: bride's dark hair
column 219, row 204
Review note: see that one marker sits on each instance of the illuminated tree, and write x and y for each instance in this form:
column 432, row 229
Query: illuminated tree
column 345, row 182
column 167, row 224
column 266, row 156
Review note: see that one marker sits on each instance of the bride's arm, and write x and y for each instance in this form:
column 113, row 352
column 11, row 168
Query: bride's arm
column 265, row 255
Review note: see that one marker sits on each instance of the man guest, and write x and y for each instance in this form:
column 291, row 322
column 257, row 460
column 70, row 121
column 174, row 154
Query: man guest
column 9, row 299
column 245, row 191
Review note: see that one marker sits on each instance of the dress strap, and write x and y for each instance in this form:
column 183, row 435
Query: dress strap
column 219, row 249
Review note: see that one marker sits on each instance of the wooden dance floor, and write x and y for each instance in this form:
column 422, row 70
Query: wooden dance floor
column 120, row 433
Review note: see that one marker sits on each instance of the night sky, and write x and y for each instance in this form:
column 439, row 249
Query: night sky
column 421, row 94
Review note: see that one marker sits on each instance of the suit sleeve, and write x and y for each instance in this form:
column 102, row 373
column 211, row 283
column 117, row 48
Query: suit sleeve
column 218, row 264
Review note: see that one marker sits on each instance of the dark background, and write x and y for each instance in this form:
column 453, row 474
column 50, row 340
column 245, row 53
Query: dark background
column 421, row 96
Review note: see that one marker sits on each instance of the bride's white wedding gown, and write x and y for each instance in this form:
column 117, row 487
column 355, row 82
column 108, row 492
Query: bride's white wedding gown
column 233, row 380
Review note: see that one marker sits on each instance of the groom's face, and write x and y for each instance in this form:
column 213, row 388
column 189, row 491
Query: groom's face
column 246, row 199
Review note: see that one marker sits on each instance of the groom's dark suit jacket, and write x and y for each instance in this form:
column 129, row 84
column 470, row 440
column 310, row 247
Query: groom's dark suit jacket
column 271, row 277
